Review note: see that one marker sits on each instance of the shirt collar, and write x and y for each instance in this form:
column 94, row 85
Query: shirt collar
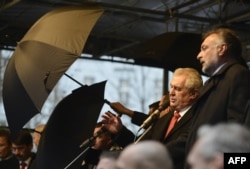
column 219, row 68
column 26, row 161
column 183, row 111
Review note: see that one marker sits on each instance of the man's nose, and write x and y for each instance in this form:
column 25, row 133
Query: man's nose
column 15, row 151
column 198, row 56
column 171, row 91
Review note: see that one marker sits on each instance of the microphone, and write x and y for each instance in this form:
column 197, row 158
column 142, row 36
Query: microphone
column 154, row 115
column 97, row 134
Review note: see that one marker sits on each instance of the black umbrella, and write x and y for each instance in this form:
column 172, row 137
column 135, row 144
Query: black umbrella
column 170, row 50
column 47, row 50
column 72, row 121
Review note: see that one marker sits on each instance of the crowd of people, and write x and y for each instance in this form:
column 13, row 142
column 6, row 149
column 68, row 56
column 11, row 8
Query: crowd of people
column 18, row 152
column 191, row 127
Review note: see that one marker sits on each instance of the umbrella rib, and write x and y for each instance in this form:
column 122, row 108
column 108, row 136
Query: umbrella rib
column 74, row 79
column 105, row 100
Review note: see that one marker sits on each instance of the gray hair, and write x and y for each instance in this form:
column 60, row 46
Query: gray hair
column 148, row 154
column 223, row 138
column 230, row 38
column 194, row 79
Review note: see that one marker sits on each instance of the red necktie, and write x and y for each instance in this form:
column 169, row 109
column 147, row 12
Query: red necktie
column 173, row 121
column 23, row 165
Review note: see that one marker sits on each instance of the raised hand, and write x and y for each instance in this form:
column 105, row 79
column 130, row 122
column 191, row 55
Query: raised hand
column 112, row 122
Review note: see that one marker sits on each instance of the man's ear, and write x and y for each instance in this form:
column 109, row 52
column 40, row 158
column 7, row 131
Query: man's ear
column 193, row 94
column 222, row 49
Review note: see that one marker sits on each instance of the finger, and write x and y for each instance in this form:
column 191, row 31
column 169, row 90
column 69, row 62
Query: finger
column 105, row 119
column 111, row 114
column 107, row 114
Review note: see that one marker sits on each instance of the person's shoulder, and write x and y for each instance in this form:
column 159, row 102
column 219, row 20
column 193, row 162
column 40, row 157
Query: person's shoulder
column 238, row 70
column 236, row 65
column 11, row 163
column 233, row 69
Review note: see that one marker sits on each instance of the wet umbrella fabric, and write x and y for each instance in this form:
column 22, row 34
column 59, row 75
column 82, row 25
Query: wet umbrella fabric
column 170, row 51
column 72, row 121
column 47, row 50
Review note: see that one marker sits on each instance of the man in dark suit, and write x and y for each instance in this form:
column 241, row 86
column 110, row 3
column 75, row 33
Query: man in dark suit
column 22, row 148
column 184, row 90
column 224, row 96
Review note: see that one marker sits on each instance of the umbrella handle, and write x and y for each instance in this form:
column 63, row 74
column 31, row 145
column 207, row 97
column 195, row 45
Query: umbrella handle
column 107, row 102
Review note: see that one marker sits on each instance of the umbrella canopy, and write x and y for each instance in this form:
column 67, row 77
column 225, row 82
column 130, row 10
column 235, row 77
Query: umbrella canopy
column 47, row 50
column 72, row 121
column 170, row 51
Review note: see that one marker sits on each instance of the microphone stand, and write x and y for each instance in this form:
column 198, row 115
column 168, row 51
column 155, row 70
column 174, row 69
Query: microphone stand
column 144, row 133
column 89, row 142
column 91, row 139
column 151, row 118
column 77, row 157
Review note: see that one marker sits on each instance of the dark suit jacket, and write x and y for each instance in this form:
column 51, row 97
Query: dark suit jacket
column 91, row 159
column 32, row 164
column 223, row 98
column 175, row 141
column 138, row 118
column 11, row 163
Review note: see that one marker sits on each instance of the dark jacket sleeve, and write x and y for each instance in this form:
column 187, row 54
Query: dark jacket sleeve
column 138, row 118
column 125, row 137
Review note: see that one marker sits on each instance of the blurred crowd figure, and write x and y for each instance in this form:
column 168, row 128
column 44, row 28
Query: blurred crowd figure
column 107, row 159
column 16, row 152
column 213, row 141
column 104, row 141
column 184, row 91
column 143, row 155
column 22, row 149
column 7, row 159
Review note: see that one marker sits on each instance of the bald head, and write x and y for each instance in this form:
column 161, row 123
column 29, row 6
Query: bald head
column 145, row 154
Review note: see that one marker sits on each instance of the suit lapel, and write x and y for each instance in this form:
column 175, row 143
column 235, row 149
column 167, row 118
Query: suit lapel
column 160, row 126
column 210, row 83
column 182, row 121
